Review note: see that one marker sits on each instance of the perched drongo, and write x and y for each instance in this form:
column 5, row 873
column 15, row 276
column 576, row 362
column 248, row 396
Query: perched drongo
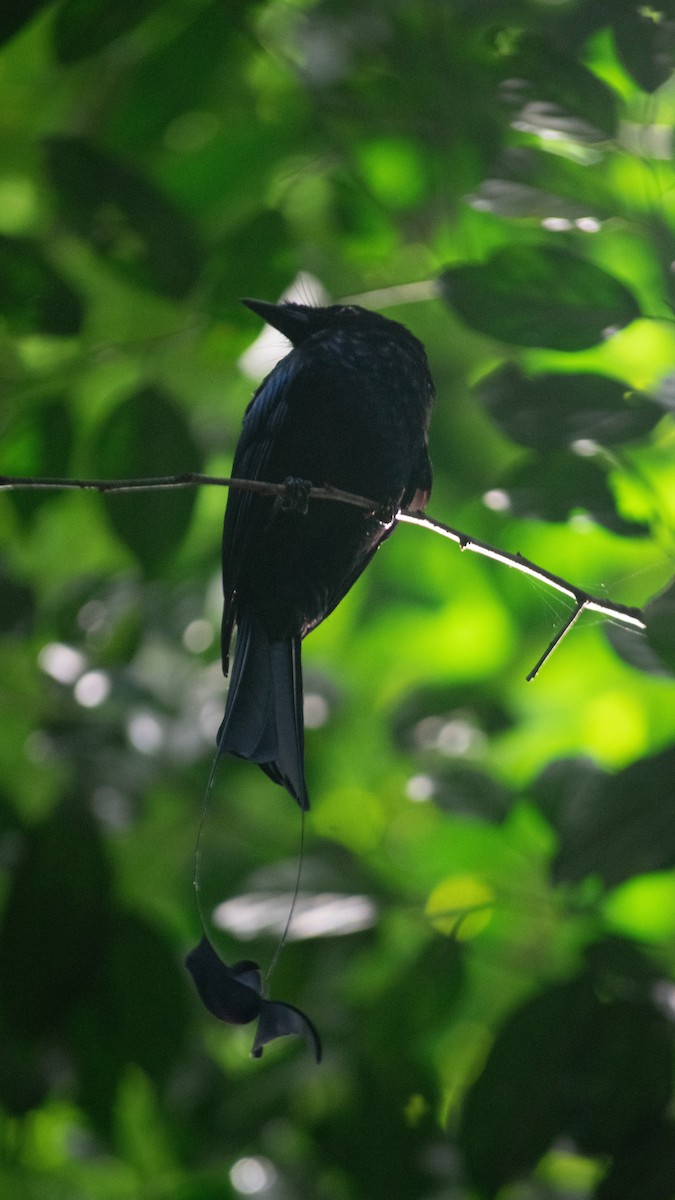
column 349, row 406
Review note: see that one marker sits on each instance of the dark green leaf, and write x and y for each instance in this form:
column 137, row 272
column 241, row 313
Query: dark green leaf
column 199, row 70
column 38, row 444
column 539, row 296
column 660, row 615
column 547, row 90
column 613, row 826
column 554, row 486
column 549, row 412
column 625, row 1068
column 565, row 1064
column 16, row 604
column 254, row 261
column 84, row 27
column 633, row 646
column 465, row 791
column 147, row 988
column 645, row 40
column 566, row 789
column 521, row 1101
column 530, row 183
column 642, row 1169
column 665, row 393
column 15, row 13
column 438, row 705
column 127, row 219
column 510, row 198
column 23, row 1075
column 148, row 435
column 33, row 297
column 55, row 922
column 141, row 1003
column 621, row 969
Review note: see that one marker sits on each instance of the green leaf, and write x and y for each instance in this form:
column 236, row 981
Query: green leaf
column 529, row 183
column 55, row 922
column 127, row 219
column 548, row 91
column 23, row 1075
column 465, row 791
column 660, row 614
column 549, row 412
column 519, row 1104
column 644, row 1169
column 15, row 13
column 83, row 27
column 612, row 826
column 645, row 40
column 566, row 1063
column 33, row 297
column 253, row 261
column 147, row 435
column 539, row 296
column 17, row 605
column 554, row 486
column 634, row 648
column 39, row 444
column 141, row 1003
column 626, row 1075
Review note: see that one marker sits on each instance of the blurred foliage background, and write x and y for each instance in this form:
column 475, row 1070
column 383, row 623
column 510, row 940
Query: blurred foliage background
column 485, row 933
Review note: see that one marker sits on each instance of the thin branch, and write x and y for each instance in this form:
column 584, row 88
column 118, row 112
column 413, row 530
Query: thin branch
column 186, row 479
column 623, row 612
column 555, row 641
column 517, row 562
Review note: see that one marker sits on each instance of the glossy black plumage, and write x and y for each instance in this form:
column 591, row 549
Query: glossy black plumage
column 348, row 406
column 235, row 995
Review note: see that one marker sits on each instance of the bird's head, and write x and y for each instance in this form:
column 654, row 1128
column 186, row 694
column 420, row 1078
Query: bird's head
column 298, row 322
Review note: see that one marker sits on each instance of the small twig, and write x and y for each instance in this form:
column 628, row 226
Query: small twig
column 517, row 562
column 572, row 619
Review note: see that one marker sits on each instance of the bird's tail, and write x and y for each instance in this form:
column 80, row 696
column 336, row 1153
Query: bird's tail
column 263, row 720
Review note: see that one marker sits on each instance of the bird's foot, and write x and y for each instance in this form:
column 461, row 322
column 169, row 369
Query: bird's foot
column 295, row 497
column 385, row 515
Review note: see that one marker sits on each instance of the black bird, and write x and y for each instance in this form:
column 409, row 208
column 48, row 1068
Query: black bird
column 349, row 406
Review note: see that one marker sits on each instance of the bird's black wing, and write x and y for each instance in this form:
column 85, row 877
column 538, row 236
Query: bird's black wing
column 263, row 421
column 416, row 496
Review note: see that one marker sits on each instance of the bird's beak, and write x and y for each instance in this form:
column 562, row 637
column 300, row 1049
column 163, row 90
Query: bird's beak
column 292, row 322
